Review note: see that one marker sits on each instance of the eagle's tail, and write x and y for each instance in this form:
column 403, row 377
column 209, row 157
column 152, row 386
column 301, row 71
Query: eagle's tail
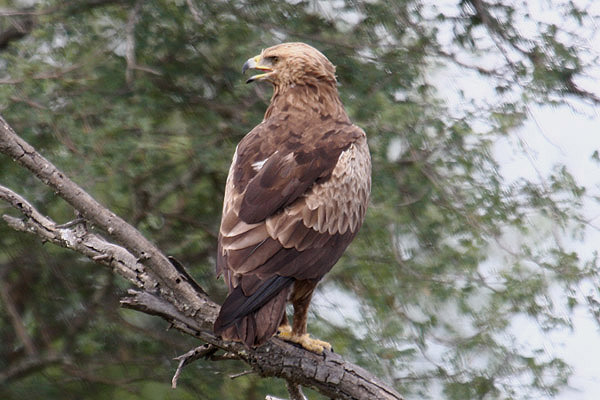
column 254, row 319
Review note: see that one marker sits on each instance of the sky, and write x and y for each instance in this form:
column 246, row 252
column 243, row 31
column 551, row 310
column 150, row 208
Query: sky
column 560, row 135
column 552, row 135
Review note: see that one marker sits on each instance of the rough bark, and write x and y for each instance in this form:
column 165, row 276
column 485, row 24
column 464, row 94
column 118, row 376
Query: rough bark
column 163, row 289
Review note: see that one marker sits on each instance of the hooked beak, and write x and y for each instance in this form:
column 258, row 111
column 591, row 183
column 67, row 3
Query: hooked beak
column 255, row 63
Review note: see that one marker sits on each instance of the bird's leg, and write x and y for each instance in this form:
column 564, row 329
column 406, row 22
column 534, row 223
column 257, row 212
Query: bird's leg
column 284, row 327
column 297, row 334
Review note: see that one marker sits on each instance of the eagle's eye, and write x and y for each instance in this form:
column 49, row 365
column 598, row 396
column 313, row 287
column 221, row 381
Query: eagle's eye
column 272, row 59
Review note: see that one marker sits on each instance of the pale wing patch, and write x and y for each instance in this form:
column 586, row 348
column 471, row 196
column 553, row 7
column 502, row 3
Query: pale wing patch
column 259, row 164
column 334, row 207
column 249, row 238
column 340, row 202
column 279, row 226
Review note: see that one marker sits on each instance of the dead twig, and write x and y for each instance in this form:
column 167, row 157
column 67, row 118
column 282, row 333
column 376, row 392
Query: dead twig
column 204, row 351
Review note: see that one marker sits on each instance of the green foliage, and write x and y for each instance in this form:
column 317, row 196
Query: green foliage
column 449, row 255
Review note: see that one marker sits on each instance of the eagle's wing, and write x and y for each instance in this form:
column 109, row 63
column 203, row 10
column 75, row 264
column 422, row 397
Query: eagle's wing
column 291, row 208
column 279, row 160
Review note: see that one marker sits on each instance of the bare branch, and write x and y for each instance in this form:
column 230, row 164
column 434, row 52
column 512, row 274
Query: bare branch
column 194, row 12
column 204, row 351
column 166, row 276
column 295, row 391
column 164, row 290
column 132, row 64
column 329, row 373
column 30, row 364
column 243, row 373
column 75, row 237
column 130, row 41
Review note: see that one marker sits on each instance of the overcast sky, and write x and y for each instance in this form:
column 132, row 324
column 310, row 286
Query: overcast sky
column 559, row 135
column 566, row 135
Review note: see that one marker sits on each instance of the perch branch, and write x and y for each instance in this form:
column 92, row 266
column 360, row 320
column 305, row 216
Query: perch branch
column 164, row 291
column 75, row 237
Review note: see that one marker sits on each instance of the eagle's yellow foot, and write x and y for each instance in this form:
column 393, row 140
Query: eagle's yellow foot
column 314, row 345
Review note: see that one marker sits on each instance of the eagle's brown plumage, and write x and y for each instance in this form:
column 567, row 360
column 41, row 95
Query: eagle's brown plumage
column 296, row 195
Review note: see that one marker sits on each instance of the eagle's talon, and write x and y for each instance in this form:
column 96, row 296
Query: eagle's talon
column 313, row 345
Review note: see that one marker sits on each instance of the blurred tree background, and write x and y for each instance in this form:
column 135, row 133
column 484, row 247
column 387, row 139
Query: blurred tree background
column 142, row 103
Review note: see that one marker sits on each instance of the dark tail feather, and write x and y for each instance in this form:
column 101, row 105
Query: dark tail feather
column 254, row 319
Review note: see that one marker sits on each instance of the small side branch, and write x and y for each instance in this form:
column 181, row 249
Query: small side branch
column 130, row 45
column 194, row 12
column 295, row 391
column 243, row 373
column 204, row 351
column 29, row 364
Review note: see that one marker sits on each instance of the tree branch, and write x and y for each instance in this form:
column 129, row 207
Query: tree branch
column 164, row 290
column 165, row 277
column 194, row 12
column 204, row 351
column 30, row 364
column 75, row 237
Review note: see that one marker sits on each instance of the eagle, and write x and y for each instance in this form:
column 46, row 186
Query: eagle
column 296, row 195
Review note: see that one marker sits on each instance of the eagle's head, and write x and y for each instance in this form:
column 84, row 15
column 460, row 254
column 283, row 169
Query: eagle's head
column 290, row 64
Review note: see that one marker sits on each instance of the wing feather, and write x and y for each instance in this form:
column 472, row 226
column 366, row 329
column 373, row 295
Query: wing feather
column 246, row 239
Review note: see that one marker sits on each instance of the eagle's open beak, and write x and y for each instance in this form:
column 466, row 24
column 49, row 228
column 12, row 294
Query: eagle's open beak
column 255, row 63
